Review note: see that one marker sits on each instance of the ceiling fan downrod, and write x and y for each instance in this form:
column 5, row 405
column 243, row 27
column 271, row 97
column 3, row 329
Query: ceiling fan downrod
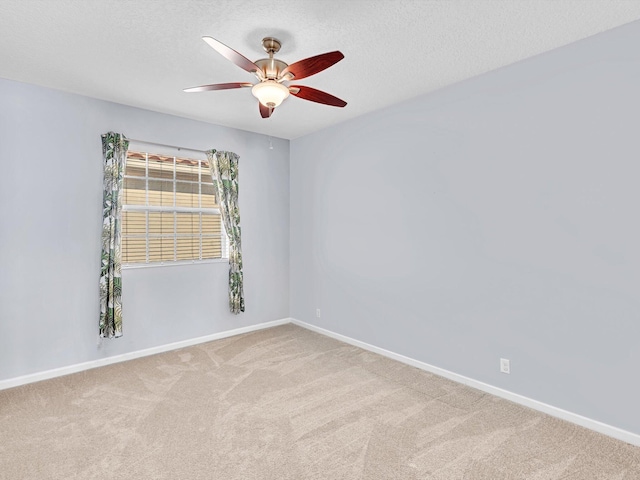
column 271, row 67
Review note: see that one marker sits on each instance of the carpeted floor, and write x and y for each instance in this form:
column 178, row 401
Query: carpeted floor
column 286, row 403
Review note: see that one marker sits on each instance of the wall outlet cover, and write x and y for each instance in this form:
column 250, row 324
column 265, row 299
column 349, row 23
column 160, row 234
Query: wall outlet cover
column 505, row 365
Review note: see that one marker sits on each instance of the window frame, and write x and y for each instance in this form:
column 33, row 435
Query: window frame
column 147, row 152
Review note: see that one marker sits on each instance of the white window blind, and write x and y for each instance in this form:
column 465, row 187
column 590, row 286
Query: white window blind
column 169, row 211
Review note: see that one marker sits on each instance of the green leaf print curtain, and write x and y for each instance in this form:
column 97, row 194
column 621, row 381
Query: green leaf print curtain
column 224, row 171
column 114, row 152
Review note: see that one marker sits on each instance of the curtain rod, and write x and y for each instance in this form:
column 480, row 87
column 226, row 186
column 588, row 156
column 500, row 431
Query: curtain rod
column 165, row 145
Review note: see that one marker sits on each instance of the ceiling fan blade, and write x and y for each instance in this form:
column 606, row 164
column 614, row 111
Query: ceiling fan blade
column 318, row 96
column 312, row 65
column 231, row 55
column 265, row 112
column 218, row 86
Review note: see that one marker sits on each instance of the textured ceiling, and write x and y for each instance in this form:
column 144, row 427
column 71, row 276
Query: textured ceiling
column 144, row 52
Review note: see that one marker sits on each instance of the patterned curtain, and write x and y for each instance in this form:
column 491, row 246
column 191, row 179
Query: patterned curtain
column 224, row 171
column 114, row 152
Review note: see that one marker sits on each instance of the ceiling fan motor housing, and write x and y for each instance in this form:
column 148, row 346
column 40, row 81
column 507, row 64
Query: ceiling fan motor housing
column 271, row 67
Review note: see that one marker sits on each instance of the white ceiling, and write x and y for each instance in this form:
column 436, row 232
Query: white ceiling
column 144, row 52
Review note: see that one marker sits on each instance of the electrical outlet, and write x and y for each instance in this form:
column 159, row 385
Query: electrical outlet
column 505, row 365
column 318, row 312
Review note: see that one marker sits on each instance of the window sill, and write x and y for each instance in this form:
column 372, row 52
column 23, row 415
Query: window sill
column 135, row 266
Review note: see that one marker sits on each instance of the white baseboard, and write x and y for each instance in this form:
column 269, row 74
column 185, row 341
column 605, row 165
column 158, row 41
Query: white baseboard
column 595, row 425
column 79, row 367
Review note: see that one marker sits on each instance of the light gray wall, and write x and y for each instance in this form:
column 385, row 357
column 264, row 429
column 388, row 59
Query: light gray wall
column 50, row 228
column 495, row 218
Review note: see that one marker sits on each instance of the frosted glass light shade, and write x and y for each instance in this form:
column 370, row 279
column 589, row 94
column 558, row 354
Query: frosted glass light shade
column 270, row 93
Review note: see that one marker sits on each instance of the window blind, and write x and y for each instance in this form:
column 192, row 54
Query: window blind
column 169, row 211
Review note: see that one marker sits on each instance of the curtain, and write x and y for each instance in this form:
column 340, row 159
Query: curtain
column 114, row 152
column 224, row 172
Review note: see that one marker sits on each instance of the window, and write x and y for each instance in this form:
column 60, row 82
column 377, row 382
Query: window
column 169, row 211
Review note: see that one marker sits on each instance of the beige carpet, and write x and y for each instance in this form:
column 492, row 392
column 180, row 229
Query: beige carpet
column 286, row 403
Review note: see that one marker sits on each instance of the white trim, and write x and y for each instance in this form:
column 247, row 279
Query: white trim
column 615, row 432
column 170, row 263
column 79, row 367
column 136, row 142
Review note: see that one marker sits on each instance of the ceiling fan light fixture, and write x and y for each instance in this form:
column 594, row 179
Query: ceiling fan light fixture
column 270, row 93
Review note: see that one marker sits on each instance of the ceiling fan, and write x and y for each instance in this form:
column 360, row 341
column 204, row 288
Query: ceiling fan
column 272, row 74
